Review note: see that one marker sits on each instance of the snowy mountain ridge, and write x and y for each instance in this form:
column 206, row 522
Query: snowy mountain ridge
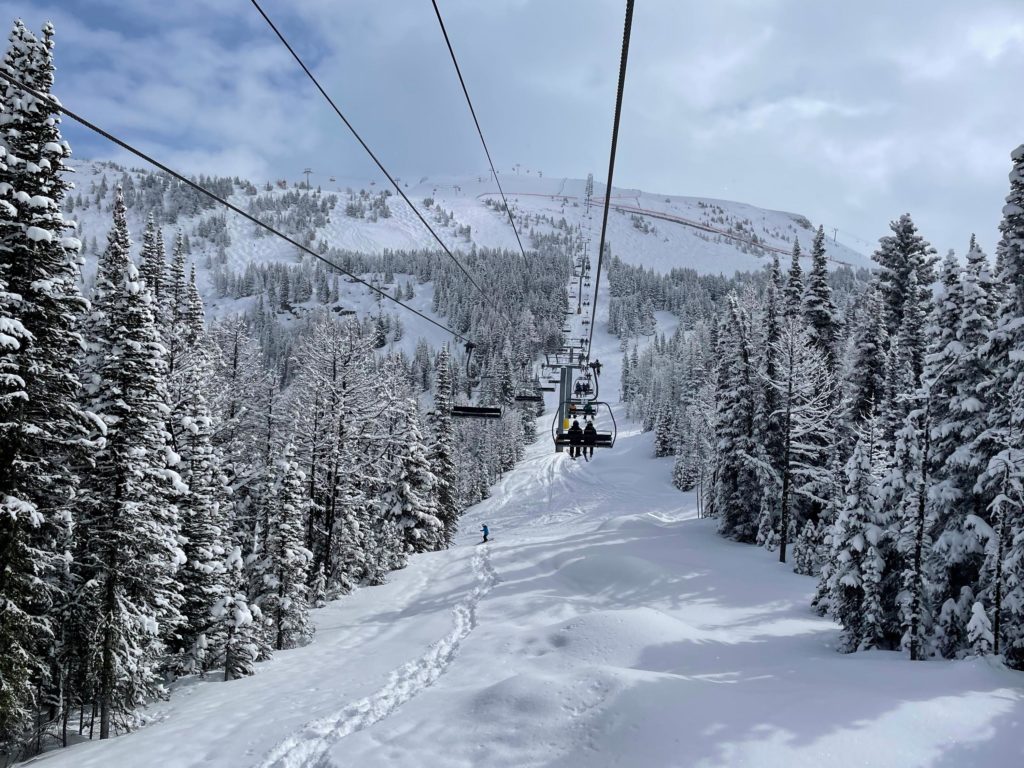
column 660, row 232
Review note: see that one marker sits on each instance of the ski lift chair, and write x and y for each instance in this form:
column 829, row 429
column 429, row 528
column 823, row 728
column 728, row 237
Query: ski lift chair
column 475, row 412
column 605, row 439
column 530, row 398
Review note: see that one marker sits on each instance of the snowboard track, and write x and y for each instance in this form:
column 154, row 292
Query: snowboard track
column 310, row 746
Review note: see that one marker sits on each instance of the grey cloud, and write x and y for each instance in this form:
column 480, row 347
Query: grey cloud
column 850, row 113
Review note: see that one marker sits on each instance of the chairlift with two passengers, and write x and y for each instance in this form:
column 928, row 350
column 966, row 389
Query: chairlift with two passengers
column 605, row 438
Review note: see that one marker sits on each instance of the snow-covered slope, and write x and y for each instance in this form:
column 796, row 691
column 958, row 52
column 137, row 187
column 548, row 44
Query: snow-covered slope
column 657, row 231
column 605, row 625
column 600, row 628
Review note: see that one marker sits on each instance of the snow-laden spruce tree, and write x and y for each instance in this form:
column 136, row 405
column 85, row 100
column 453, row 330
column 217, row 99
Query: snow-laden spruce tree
column 819, row 310
column 240, row 620
column 353, row 524
column 905, row 364
column 41, row 424
column 866, row 377
column 979, row 631
column 128, row 551
column 773, row 318
column 203, row 517
column 737, row 490
column 912, row 486
column 961, row 326
column 847, row 579
column 941, row 366
column 154, row 261
column 174, row 305
column 807, row 549
column 442, row 449
column 900, row 255
column 665, row 430
column 282, row 567
column 1002, row 479
column 950, row 631
column 794, row 291
column 411, row 497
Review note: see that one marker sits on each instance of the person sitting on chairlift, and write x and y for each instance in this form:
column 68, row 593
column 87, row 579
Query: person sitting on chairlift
column 575, row 439
column 588, row 410
column 589, row 440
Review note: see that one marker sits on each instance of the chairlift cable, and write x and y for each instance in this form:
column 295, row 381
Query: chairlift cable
column 380, row 165
column 55, row 104
column 480, row 133
column 627, row 27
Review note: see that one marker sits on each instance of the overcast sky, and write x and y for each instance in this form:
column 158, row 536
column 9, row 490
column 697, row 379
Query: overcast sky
column 848, row 112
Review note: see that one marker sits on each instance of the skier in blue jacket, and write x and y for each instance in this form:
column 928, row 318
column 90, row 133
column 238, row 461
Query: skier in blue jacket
column 485, row 532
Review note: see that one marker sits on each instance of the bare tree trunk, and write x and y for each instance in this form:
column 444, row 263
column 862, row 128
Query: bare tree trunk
column 918, row 576
column 107, row 668
column 787, row 442
column 997, row 624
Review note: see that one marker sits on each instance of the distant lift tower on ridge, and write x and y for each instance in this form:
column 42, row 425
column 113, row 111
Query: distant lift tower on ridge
column 308, row 172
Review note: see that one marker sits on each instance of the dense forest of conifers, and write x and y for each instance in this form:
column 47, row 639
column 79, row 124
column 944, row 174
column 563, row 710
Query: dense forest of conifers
column 868, row 426
column 175, row 494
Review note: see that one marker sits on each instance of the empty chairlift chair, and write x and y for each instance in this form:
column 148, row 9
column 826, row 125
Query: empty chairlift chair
column 475, row 412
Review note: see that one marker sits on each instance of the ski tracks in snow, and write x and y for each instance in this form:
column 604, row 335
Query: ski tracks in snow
column 309, row 747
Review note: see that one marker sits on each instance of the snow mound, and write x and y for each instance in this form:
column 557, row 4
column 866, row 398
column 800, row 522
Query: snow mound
column 616, row 638
column 598, row 572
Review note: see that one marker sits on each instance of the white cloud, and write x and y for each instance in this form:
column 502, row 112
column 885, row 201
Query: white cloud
column 848, row 112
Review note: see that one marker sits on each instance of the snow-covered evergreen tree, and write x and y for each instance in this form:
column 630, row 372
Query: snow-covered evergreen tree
column 154, row 260
column 794, row 292
column 819, row 310
column 411, row 500
column 240, row 620
column 128, row 551
column 283, row 566
column 849, row 577
column 899, row 255
column 442, row 449
column 866, row 377
column 206, row 539
column 979, row 631
column 736, row 492
column 41, row 424
column 1002, row 478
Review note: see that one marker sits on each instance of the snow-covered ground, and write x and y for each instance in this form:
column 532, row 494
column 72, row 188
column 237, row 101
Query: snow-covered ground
column 605, row 625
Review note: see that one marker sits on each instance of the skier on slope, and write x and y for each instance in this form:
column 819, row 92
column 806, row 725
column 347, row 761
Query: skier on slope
column 485, row 532
column 575, row 439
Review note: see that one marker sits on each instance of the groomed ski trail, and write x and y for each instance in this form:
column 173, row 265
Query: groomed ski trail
column 309, row 747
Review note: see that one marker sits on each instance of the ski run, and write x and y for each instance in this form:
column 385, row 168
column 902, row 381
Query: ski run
column 244, row 476
column 608, row 628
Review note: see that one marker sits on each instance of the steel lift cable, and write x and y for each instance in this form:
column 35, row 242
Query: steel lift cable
column 627, row 27
column 55, row 104
column 378, row 163
column 479, row 131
